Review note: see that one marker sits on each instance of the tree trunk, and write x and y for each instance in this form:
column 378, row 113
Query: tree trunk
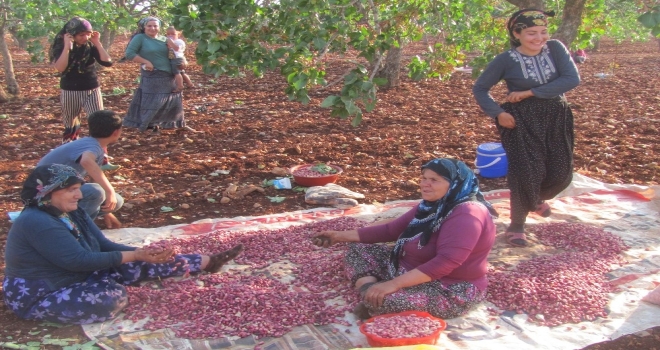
column 570, row 21
column 529, row 4
column 12, row 84
column 21, row 43
column 392, row 69
column 108, row 37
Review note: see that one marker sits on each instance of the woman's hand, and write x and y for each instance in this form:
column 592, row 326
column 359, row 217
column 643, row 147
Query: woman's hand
column 377, row 292
column 153, row 256
column 68, row 41
column 506, row 120
column 148, row 66
column 95, row 38
column 518, row 96
column 326, row 238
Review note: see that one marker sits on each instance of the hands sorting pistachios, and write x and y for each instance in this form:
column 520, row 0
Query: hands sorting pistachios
column 322, row 241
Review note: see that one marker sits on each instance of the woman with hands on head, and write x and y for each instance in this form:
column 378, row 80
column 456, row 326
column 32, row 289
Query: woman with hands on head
column 74, row 53
column 59, row 267
column 535, row 122
column 439, row 260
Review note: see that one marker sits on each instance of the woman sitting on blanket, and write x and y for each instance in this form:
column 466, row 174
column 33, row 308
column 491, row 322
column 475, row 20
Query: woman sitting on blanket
column 61, row 268
column 438, row 263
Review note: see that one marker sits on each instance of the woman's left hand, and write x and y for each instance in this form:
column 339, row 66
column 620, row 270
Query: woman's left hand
column 153, row 256
column 377, row 293
column 95, row 38
column 518, row 96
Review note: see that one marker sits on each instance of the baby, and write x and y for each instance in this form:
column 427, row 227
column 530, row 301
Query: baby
column 178, row 47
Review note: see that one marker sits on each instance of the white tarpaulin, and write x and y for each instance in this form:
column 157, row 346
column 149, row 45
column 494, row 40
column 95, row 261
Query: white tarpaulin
column 628, row 211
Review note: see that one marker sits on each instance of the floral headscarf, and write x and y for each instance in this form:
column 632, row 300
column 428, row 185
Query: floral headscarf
column 44, row 180
column 74, row 26
column 141, row 26
column 463, row 187
column 526, row 18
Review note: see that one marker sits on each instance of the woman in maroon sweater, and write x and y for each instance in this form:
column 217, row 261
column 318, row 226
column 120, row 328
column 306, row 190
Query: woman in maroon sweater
column 439, row 260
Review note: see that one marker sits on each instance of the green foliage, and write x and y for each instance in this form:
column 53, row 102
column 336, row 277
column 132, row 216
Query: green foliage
column 33, row 20
column 276, row 199
column 651, row 20
column 294, row 37
column 237, row 37
column 323, row 168
column 357, row 88
column 614, row 19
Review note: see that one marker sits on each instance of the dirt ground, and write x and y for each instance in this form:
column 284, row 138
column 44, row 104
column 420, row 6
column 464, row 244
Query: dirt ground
column 247, row 127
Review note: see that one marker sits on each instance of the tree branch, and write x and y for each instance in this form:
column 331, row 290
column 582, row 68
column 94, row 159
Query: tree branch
column 335, row 82
column 381, row 56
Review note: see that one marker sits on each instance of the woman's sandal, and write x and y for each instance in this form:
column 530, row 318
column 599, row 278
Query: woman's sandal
column 516, row 239
column 361, row 311
column 153, row 130
column 543, row 210
column 219, row 259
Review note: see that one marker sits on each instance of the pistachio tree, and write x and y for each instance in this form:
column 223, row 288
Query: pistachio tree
column 295, row 37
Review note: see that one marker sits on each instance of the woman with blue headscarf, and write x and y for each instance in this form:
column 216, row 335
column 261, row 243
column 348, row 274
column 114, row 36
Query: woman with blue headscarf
column 438, row 262
column 59, row 267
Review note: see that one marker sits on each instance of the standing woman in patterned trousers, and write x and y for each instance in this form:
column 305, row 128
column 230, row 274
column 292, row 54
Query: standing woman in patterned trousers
column 535, row 122
column 74, row 53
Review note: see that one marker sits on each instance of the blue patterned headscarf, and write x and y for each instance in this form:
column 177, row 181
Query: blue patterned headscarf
column 141, row 26
column 142, row 23
column 42, row 182
column 463, row 187
column 46, row 179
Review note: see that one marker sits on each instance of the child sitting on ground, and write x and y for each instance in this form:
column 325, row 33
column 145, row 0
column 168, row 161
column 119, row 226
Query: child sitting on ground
column 178, row 59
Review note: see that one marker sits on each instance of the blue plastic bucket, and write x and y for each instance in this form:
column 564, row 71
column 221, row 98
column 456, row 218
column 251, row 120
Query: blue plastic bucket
column 491, row 160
